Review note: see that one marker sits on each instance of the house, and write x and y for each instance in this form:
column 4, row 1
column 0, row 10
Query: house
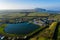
column 39, row 22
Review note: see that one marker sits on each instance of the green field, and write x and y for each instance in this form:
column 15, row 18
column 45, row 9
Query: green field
column 46, row 33
column 38, row 14
column 12, row 15
column 58, row 36
column 43, row 35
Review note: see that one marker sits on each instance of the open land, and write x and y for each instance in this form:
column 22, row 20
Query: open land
column 48, row 23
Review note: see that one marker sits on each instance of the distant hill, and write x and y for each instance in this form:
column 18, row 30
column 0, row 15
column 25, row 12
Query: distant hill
column 40, row 10
column 29, row 10
column 44, row 10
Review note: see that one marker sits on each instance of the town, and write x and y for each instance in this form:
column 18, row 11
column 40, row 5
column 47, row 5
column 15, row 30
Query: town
column 47, row 25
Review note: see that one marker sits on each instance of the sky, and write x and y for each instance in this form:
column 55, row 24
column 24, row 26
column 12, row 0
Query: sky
column 29, row 4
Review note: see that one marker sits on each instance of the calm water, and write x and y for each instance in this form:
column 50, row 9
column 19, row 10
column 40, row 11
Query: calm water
column 22, row 28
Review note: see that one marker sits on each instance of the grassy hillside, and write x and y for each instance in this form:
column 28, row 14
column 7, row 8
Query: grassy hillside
column 38, row 14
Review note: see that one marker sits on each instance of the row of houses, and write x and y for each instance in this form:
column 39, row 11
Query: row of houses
column 40, row 20
column 43, row 21
column 11, row 38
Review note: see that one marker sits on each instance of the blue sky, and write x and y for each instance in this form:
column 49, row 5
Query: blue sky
column 29, row 4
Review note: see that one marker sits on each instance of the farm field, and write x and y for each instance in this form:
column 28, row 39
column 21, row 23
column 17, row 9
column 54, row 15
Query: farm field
column 58, row 34
column 29, row 19
column 47, row 23
column 46, row 34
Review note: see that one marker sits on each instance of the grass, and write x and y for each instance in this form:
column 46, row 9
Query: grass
column 42, row 38
column 57, row 17
column 14, row 15
column 52, row 29
column 2, row 28
column 53, row 26
column 46, row 33
column 38, row 14
column 58, row 37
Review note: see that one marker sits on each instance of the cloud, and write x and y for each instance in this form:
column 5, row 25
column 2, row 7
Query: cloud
column 10, row 6
column 16, row 6
column 4, row 4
